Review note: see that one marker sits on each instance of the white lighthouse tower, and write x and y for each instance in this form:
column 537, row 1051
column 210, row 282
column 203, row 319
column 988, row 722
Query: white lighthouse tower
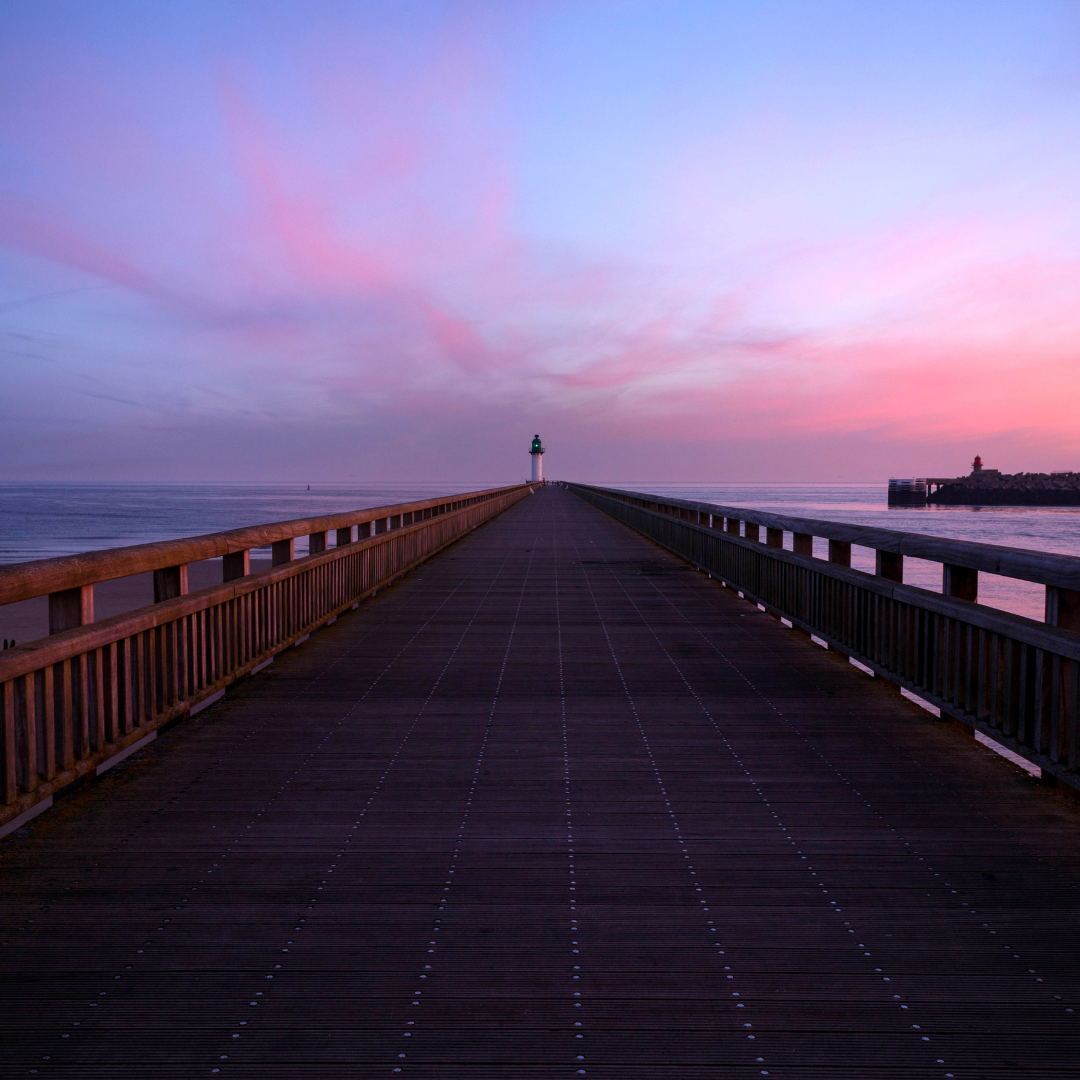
column 536, row 451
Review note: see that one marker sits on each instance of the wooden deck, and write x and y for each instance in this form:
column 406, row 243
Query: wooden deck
column 554, row 805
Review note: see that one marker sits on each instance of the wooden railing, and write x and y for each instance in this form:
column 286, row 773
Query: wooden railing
column 74, row 703
column 1015, row 679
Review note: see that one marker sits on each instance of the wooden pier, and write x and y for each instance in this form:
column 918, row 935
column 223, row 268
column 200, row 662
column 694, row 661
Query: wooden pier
column 555, row 804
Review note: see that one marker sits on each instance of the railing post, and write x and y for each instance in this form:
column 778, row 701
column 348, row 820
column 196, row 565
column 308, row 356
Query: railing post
column 960, row 581
column 170, row 582
column 282, row 551
column 343, row 537
column 753, row 531
column 803, row 544
column 733, row 526
column 71, row 608
column 889, row 565
column 363, row 530
column 236, row 564
column 1063, row 608
column 774, row 538
column 840, row 552
column 316, row 543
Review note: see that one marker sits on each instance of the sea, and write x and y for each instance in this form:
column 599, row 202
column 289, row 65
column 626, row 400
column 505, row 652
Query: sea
column 42, row 520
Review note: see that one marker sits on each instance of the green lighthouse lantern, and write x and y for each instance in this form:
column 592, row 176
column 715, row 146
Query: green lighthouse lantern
column 537, row 453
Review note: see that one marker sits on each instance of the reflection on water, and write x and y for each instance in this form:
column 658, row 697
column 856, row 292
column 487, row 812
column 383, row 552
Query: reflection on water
column 1040, row 528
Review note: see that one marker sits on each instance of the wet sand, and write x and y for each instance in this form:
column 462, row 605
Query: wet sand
column 28, row 620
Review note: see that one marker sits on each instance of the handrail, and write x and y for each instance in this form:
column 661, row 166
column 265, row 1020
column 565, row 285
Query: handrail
column 962, row 560
column 1044, row 568
column 1014, row 678
column 76, row 702
column 22, row 581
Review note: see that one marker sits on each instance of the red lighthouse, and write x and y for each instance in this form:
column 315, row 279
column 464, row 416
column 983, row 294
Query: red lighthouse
column 976, row 465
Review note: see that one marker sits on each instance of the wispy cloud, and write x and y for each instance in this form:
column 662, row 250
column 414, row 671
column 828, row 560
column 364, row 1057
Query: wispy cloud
column 337, row 230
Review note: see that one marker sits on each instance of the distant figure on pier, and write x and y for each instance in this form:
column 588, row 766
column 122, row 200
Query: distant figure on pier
column 537, row 453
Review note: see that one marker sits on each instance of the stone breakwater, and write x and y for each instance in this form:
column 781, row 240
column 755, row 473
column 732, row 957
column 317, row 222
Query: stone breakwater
column 1015, row 489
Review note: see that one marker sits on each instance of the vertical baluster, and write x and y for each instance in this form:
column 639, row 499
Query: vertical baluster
column 993, row 705
column 1038, row 700
column 228, row 645
column 26, row 708
column 111, row 695
column 963, row 664
column 155, row 656
column 840, row 555
column 123, row 686
column 175, row 640
column 1055, row 709
column 65, row 736
column 166, row 636
column 917, row 625
column 255, row 614
column 1074, row 713
column 1008, row 703
column 1023, row 718
column 980, row 677
column 930, row 646
column 187, row 655
column 943, row 640
column 140, row 680
column 46, row 687
column 97, row 698
column 213, row 643
column 198, row 672
column 10, row 768
column 83, row 714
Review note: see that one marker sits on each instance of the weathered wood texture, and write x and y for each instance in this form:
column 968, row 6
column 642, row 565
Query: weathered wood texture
column 1013, row 678
column 72, row 701
column 553, row 805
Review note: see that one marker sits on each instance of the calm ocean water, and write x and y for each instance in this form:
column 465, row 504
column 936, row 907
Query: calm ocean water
column 39, row 520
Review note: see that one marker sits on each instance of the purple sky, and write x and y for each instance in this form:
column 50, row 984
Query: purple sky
column 682, row 241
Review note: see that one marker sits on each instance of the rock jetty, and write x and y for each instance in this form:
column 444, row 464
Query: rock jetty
column 989, row 487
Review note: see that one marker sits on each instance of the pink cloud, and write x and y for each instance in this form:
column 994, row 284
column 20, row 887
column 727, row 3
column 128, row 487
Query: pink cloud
column 366, row 263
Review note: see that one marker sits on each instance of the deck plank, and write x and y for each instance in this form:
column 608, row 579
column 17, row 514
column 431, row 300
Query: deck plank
column 553, row 805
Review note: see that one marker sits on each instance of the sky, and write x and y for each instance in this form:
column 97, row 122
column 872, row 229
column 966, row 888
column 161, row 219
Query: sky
column 685, row 242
